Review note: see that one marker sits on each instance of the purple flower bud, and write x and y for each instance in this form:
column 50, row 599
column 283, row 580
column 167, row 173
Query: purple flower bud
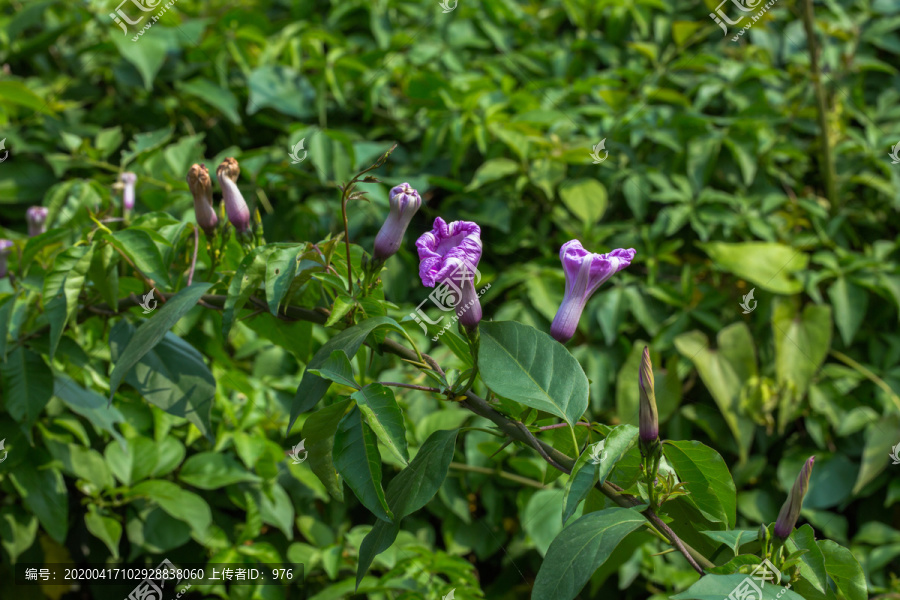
column 235, row 206
column 201, row 188
column 405, row 201
column 128, row 179
column 648, row 420
column 447, row 248
column 36, row 216
column 585, row 272
column 790, row 510
column 469, row 308
column 5, row 245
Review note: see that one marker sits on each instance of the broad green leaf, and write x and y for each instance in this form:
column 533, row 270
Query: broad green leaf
column 281, row 266
column 383, row 415
column 356, row 458
column 81, row 463
column 767, row 265
column 585, row 473
column 580, row 549
column 813, row 584
column 147, row 55
column 212, row 470
column 222, row 99
column 275, row 508
column 172, row 375
column 133, row 463
column 89, row 404
column 528, row 366
column 542, row 518
column 802, row 341
column 733, row 538
column 724, row 372
column 104, row 274
column 283, row 89
column 409, row 491
column 44, row 493
column 106, row 529
column 706, row 478
column 146, row 142
column 16, row 92
column 318, row 432
column 141, row 249
column 18, row 529
column 312, row 387
column 337, row 369
column 492, row 170
column 586, row 198
column 152, row 331
column 62, row 287
column 247, row 279
column 842, row 566
column 878, row 446
column 718, row 587
column 27, row 386
column 850, row 303
column 178, row 503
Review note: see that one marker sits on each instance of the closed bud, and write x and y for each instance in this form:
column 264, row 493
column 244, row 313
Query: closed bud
column 235, row 206
column 790, row 510
column 36, row 216
column 405, row 201
column 128, row 180
column 201, row 189
column 469, row 308
column 648, row 419
column 5, row 245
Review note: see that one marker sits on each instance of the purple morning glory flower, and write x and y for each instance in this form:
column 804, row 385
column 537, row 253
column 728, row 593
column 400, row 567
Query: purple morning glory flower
column 405, row 201
column 5, row 245
column 446, row 248
column 235, row 206
column 36, row 217
column 585, row 272
column 128, row 179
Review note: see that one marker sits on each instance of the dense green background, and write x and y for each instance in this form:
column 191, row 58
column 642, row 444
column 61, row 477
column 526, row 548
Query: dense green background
column 714, row 176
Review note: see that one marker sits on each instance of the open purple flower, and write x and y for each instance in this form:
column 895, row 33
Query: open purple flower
column 585, row 272
column 446, row 248
column 36, row 217
column 405, row 201
column 5, row 245
column 128, row 179
column 235, row 205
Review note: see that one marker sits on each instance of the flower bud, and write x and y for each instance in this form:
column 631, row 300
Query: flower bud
column 235, row 206
column 648, row 419
column 469, row 308
column 790, row 510
column 128, row 179
column 36, row 216
column 405, row 201
column 5, row 245
column 201, row 188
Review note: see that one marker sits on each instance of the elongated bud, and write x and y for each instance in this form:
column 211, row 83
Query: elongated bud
column 36, row 216
column 235, row 206
column 5, row 245
column 128, row 179
column 405, row 201
column 648, row 420
column 201, row 189
column 469, row 308
column 790, row 510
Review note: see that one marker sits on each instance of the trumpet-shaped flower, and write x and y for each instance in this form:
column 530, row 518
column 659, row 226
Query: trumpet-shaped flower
column 36, row 217
column 235, row 206
column 201, row 188
column 405, row 201
column 790, row 510
column 585, row 272
column 446, row 249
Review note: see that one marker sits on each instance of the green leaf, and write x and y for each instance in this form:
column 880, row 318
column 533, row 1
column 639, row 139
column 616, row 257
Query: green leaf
column 357, row 459
column 842, row 566
column 147, row 55
column 105, row 529
column 18, row 530
column 528, row 366
column 281, row 266
column 802, row 341
column 585, row 474
column 383, row 415
column 767, row 265
column 178, row 503
column 172, row 375
column 586, row 198
column 580, row 549
column 146, row 142
column 283, row 89
column 879, row 440
column 136, row 461
column 733, row 538
column 409, row 491
column 492, row 170
column 16, row 92
column 104, row 274
column 312, row 387
column 724, row 372
column 342, row 306
column 706, row 477
column 218, row 97
column 27, row 386
column 337, row 369
column 140, row 248
column 152, row 331
column 44, row 494
column 61, row 289
column 718, row 587
column 89, row 404
column 249, row 275
column 212, row 470
column 318, row 432
column 813, row 584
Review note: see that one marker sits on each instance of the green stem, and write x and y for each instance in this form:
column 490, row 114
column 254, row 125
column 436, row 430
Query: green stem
column 498, row 472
